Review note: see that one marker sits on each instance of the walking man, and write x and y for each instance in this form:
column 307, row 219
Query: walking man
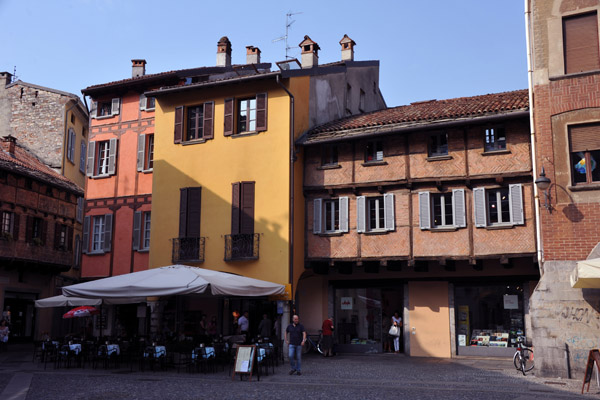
column 295, row 336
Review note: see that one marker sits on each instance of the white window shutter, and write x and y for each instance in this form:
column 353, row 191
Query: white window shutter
column 361, row 214
column 137, row 224
column 317, row 219
column 424, row 210
column 141, row 152
column 116, row 103
column 112, row 156
column 458, row 208
column 143, row 102
column 515, row 193
column 388, row 210
column 479, row 207
column 91, row 152
column 94, row 109
column 344, row 214
column 108, row 224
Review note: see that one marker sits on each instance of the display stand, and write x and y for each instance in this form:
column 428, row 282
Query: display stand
column 243, row 364
column 593, row 358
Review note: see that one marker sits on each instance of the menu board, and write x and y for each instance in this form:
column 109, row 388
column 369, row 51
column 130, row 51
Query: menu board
column 244, row 360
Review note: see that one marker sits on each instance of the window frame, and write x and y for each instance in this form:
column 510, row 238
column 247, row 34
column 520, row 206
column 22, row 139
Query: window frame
column 102, row 158
column 97, row 237
column 114, row 105
column 198, row 130
column 565, row 50
column 7, row 223
column 71, row 139
column 437, row 135
column 588, row 171
column 443, row 199
column 329, row 155
column 372, row 149
column 248, row 111
column 149, row 153
column 498, row 201
column 487, row 146
column 378, row 205
column 331, row 207
column 515, row 203
column 145, row 230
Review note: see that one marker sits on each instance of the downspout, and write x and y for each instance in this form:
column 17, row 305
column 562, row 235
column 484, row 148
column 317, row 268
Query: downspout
column 291, row 191
column 536, row 195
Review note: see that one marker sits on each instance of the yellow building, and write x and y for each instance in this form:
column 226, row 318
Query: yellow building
column 227, row 184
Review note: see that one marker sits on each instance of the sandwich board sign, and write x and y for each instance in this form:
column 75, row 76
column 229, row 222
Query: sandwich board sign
column 245, row 357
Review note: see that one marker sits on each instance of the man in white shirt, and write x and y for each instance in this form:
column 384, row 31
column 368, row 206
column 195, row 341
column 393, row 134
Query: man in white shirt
column 244, row 324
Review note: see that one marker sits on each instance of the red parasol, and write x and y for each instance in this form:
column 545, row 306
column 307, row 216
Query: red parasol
column 83, row 311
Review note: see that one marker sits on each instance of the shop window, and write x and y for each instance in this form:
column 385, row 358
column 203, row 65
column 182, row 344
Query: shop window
column 375, row 214
column 330, row 215
column 438, row 144
column 580, row 41
column 442, row 210
column 585, row 153
column 374, row 151
column 329, row 155
column 503, row 206
column 495, row 139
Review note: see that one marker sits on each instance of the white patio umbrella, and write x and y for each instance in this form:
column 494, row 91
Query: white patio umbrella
column 173, row 280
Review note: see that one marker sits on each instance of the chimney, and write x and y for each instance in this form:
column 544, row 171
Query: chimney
column 224, row 52
column 8, row 144
column 310, row 53
column 138, row 68
column 5, row 78
column 252, row 55
column 347, row 48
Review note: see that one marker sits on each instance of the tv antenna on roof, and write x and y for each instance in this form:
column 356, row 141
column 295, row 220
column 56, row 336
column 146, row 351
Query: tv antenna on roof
column 14, row 76
column 288, row 23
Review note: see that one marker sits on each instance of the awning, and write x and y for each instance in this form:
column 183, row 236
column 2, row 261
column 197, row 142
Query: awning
column 173, row 280
column 64, row 301
column 586, row 274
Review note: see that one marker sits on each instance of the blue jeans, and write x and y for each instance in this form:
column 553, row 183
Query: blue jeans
column 295, row 353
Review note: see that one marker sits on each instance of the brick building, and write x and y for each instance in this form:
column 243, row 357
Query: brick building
column 425, row 209
column 39, row 237
column 563, row 55
column 49, row 123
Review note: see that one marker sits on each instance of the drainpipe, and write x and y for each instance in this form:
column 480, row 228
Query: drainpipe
column 536, row 195
column 292, row 160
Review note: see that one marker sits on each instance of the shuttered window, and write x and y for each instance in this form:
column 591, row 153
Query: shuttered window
column 71, row 145
column 331, row 215
column 141, row 230
column 145, row 153
column 242, row 208
column 102, row 158
column 36, row 230
column 190, row 204
column 503, row 206
column 580, row 41
column 375, row 213
column 245, row 115
column 585, row 153
column 105, row 108
column 438, row 144
column 194, row 122
column 442, row 210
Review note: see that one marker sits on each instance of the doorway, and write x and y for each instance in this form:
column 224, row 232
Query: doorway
column 392, row 300
column 21, row 308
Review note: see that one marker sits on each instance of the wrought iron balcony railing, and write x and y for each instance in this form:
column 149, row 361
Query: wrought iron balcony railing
column 188, row 249
column 242, row 246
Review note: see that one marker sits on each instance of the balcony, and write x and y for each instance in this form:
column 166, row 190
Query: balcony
column 188, row 249
column 241, row 246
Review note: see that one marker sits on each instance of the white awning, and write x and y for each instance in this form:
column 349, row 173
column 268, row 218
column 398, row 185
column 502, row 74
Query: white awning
column 62, row 301
column 586, row 274
column 173, row 280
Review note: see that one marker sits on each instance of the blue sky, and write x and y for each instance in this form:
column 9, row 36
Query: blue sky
column 428, row 49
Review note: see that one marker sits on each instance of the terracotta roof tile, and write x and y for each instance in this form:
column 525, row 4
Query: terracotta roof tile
column 422, row 112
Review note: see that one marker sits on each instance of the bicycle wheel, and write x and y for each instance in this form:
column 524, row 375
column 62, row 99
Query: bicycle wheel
column 319, row 349
column 306, row 347
column 517, row 361
column 527, row 361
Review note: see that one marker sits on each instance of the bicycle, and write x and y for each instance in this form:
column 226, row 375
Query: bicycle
column 523, row 358
column 311, row 344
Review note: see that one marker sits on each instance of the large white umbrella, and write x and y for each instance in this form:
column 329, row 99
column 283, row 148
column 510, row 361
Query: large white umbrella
column 173, row 280
column 586, row 274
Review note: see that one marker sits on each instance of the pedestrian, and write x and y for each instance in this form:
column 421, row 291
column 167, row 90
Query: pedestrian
column 4, row 333
column 327, row 341
column 265, row 327
column 295, row 336
column 397, row 321
column 244, row 324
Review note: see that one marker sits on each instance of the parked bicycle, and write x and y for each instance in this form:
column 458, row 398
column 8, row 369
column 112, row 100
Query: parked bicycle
column 523, row 358
column 313, row 342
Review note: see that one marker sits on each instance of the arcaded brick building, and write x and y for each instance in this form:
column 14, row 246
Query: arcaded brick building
column 565, row 82
column 428, row 210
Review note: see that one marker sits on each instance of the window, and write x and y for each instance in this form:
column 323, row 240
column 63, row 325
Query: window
column 375, row 213
column 79, row 213
column 495, row 139
column 141, row 230
column 442, row 210
column 7, row 222
column 585, row 153
column 330, row 215
column 97, row 234
column 72, row 118
column 376, row 218
column 145, row 155
column 9, row 228
column 374, row 151
column 580, row 42
column 438, row 144
column 245, row 115
column 190, row 201
column 242, row 208
column 82, row 154
column 77, row 252
column 194, row 123
column 36, row 230
column 329, row 155
column 503, row 206
column 147, row 103
column 101, row 158
column 63, row 237
column 71, row 145
column 105, row 108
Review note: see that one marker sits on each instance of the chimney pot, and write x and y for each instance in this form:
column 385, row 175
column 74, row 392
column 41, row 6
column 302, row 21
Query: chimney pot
column 224, row 52
column 8, row 144
column 138, row 68
column 310, row 52
column 347, row 48
column 252, row 55
column 5, row 78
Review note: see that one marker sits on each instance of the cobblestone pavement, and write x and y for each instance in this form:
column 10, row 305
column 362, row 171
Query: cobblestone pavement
column 381, row 376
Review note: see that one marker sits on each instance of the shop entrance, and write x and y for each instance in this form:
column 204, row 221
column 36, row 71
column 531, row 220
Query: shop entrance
column 20, row 309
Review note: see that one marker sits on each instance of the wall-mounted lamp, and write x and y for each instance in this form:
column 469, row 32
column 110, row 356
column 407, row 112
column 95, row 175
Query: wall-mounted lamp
column 543, row 183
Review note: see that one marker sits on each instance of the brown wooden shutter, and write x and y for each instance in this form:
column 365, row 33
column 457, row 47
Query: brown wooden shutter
column 209, row 108
column 580, row 40
column 193, row 212
column 15, row 231
column 44, row 232
column 585, row 137
column 178, row 124
column 261, row 112
column 29, row 228
column 183, row 196
column 235, row 208
column 247, row 208
column 228, row 118
column 56, row 235
column 70, row 238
